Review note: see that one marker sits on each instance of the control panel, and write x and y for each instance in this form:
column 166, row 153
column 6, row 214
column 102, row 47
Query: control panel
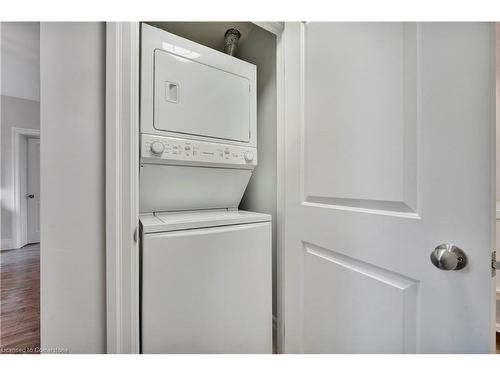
column 157, row 149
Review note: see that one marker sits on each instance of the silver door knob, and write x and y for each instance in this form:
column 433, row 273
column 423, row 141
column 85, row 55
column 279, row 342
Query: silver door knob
column 448, row 257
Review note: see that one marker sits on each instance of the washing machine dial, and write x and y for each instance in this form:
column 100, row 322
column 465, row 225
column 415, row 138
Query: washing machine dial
column 157, row 148
column 249, row 156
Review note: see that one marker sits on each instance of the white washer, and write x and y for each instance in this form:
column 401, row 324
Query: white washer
column 206, row 282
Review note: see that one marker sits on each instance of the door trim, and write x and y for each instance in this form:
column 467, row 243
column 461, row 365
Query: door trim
column 19, row 217
column 275, row 28
column 280, row 188
column 122, row 187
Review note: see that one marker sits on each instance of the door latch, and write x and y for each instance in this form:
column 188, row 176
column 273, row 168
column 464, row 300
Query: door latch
column 495, row 265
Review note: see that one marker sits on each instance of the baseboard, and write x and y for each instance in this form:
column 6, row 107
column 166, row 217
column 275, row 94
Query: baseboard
column 6, row 244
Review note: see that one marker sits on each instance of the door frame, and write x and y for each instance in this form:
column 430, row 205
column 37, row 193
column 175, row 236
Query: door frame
column 278, row 28
column 122, row 187
column 122, row 183
column 20, row 214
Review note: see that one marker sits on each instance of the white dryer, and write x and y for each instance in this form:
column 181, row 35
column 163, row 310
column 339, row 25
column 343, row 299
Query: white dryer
column 198, row 121
column 194, row 92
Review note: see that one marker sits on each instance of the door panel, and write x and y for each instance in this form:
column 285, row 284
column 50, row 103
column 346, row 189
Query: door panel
column 33, row 217
column 360, row 86
column 373, row 300
column 388, row 153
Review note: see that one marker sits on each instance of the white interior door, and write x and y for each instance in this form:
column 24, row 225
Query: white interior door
column 389, row 147
column 33, row 191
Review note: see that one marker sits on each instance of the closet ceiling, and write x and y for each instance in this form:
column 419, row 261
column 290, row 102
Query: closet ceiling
column 210, row 34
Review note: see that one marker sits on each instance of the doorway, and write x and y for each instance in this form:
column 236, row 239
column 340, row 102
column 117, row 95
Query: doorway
column 26, row 186
column 20, row 188
column 20, row 265
column 33, row 191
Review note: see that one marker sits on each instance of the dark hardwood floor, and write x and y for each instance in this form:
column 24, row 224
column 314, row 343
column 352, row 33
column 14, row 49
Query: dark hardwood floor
column 20, row 300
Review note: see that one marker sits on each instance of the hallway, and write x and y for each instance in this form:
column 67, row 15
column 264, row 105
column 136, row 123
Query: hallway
column 20, row 299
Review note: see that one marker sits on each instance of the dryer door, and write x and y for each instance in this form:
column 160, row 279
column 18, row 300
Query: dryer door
column 197, row 99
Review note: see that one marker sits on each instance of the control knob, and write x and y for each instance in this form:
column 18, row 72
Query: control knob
column 249, row 156
column 157, row 148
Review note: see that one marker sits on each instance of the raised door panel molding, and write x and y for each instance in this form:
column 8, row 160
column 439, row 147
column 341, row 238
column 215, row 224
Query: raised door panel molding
column 360, row 97
column 376, row 313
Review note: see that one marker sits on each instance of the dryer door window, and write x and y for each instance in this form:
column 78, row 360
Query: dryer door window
column 198, row 99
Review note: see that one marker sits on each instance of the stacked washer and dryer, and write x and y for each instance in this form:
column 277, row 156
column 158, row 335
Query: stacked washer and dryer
column 206, row 266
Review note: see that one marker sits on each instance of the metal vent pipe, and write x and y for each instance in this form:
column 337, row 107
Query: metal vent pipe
column 232, row 36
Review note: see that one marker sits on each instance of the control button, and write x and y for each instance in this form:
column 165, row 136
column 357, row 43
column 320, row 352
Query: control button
column 187, row 148
column 226, row 152
column 157, row 148
column 249, row 156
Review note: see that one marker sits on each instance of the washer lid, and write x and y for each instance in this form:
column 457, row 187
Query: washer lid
column 170, row 221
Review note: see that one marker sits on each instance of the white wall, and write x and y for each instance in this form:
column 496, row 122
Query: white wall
column 259, row 48
column 21, row 60
column 73, row 304
column 20, row 106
